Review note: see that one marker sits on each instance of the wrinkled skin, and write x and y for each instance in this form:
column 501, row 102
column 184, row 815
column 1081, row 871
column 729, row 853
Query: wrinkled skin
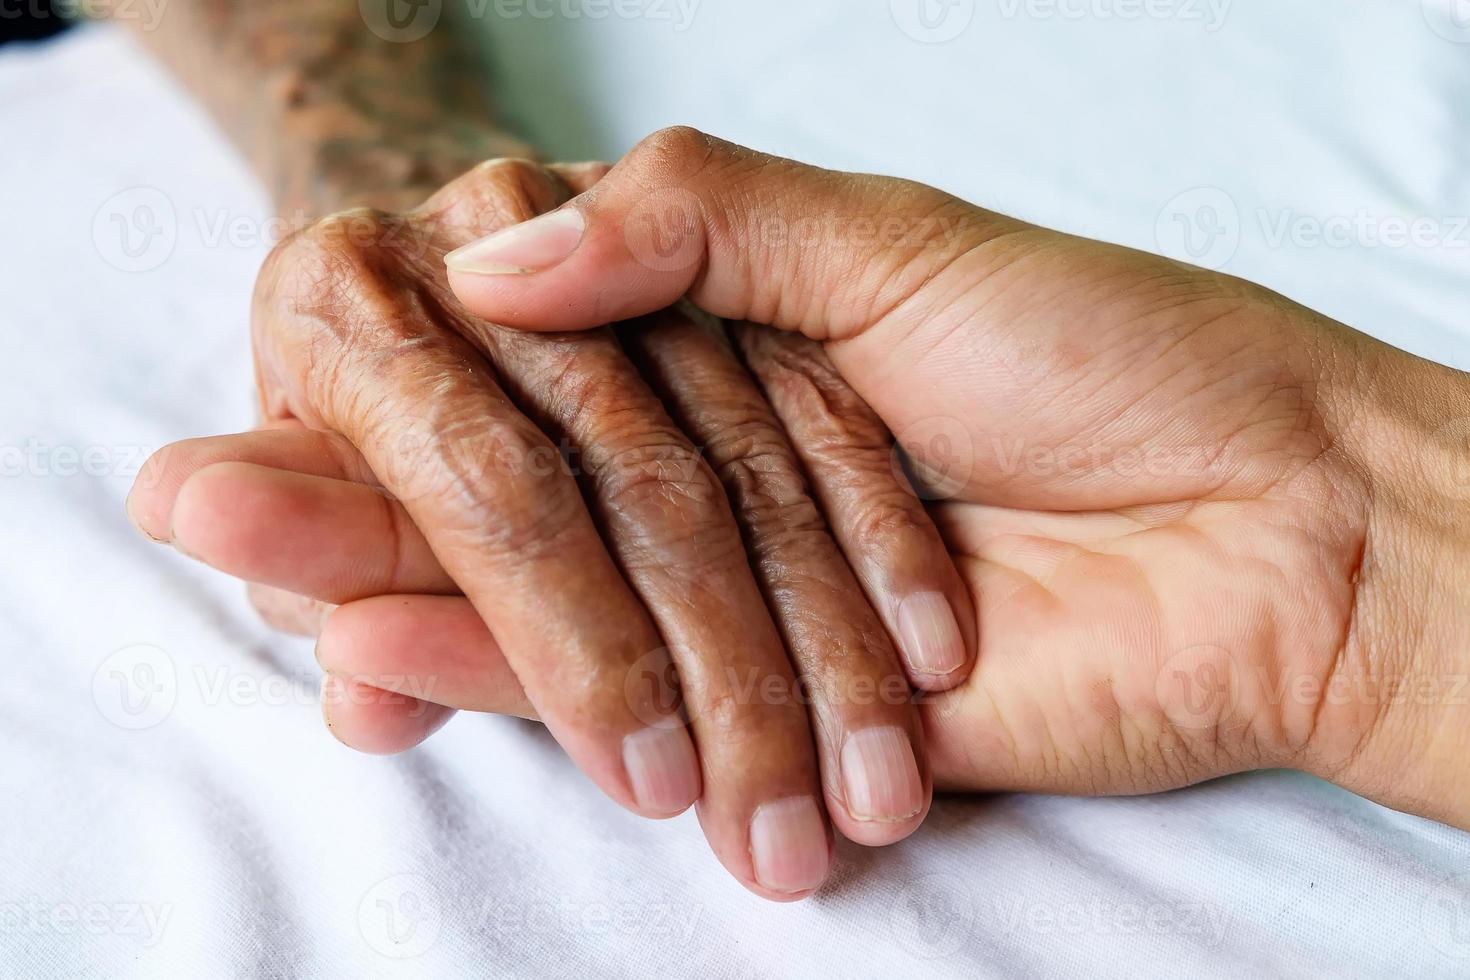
column 1206, row 530
column 609, row 525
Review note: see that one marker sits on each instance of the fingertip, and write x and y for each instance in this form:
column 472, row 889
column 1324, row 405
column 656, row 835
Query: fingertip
column 143, row 515
column 206, row 519
column 370, row 720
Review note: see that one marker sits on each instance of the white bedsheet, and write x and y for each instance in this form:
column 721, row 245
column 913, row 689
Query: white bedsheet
column 172, row 805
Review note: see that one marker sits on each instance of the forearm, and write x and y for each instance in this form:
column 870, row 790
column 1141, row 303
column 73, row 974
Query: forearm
column 329, row 113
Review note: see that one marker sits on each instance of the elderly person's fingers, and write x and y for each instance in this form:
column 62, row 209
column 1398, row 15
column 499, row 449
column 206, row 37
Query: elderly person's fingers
column 879, row 520
column 871, row 745
column 862, row 710
column 499, row 504
column 351, row 345
column 331, row 538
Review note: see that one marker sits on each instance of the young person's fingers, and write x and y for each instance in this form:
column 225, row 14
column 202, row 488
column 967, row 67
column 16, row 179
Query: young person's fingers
column 312, row 452
column 289, row 612
column 329, row 539
column 370, row 719
column 434, row 648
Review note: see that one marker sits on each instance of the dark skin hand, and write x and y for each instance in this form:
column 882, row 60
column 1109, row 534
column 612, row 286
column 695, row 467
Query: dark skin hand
column 644, row 547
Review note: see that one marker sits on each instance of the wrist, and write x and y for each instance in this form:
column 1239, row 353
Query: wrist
column 319, row 174
column 1395, row 723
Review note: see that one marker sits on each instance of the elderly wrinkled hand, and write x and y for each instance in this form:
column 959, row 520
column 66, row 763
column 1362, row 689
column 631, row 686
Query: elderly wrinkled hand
column 571, row 522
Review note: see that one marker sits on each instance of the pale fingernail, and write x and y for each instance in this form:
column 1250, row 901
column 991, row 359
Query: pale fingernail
column 788, row 845
column 527, row 247
column 137, row 521
column 663, row 769
column 881, row 775
column 932, row 642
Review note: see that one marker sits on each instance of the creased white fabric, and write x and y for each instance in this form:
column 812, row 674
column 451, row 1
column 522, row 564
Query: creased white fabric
column 172, row 804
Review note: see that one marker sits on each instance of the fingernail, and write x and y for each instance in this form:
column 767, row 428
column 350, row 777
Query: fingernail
column 527, row 247
column 663, row 769
column 932, row 642
column 881, row 775
column 137, row 522
column 788, row 845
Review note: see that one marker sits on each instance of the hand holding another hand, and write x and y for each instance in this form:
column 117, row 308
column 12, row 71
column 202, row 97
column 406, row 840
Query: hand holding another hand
column 1205, row 530
column 612, row 512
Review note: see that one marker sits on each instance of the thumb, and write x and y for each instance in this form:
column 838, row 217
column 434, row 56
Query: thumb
column 1024, row 366
column 745, row 235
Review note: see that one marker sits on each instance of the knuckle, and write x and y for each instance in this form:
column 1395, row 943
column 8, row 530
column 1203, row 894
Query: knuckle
column 673, row 154
column 496, row 193
column 657, row 475
column 322, row 272
column 492, row 477
column 883, row 519
column 765, row 483
column 665, row 505
column 338, row 303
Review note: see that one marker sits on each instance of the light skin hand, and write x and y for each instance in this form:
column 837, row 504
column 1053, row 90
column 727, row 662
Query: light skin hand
column 1206, row 530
